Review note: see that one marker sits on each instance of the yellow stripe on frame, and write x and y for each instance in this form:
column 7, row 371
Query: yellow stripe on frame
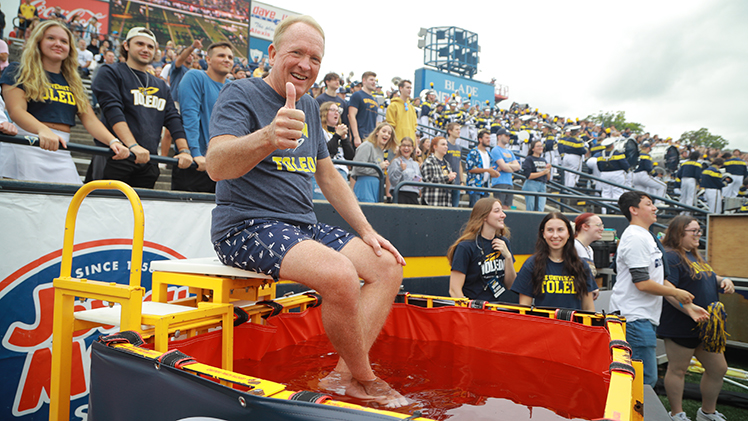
column 431, row 266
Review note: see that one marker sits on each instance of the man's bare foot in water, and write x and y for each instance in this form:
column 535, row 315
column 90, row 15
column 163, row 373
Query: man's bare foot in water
column 342, row 383
column 383, row 393
column 376, row 390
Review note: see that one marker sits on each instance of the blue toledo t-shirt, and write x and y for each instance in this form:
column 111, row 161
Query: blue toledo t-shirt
column 500, row 153
column 59, row 105
column 480, row 263
column 558, row 288
column 704, row 287
column 366, row 117
column 280, row 186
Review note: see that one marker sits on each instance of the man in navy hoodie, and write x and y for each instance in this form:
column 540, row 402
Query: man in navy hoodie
column 135, row 106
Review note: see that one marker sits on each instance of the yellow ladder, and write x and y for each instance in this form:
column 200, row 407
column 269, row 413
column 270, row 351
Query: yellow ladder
column 152, row 320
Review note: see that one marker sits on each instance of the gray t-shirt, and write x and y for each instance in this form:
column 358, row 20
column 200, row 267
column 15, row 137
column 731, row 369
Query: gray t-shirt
column 367, row 152
column 280, row 186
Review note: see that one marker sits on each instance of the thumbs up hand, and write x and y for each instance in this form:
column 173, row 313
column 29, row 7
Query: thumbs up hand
column 288, row 124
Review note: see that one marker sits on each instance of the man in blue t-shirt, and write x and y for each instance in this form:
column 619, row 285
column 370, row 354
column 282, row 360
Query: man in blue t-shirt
column 265, row 147
column 199, row 91
column 454, row 157
column 332, row 83
column 503, row 160
column 362, row 109
column 181, row 65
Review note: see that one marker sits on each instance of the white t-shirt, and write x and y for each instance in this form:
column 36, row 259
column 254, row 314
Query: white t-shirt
column 165, row 72
column 637, row 249
column 486, row 159
column 584, row 252
column 84, row 57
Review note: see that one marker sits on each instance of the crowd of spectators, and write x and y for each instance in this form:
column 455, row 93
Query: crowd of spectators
column 486, row 146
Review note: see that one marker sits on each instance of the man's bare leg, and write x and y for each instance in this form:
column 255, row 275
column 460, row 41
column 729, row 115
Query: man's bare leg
column 382, row 278
column 334, row 277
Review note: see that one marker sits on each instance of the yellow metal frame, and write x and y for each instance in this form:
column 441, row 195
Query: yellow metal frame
column 626, row 392
column 130, row 297
column 218, row 289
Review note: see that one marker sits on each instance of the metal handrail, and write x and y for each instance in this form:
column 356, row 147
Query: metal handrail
column 627, row 188
column 377, row 168
column 77, row 147
column 487, row 189
column 592, row 177
column 98, row 150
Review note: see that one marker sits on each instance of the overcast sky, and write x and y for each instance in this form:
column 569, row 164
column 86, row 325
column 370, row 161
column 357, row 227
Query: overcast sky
column 673, row 66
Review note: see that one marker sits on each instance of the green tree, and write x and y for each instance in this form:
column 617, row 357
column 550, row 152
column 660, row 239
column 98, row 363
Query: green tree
column 617, row 120
column 702, row 137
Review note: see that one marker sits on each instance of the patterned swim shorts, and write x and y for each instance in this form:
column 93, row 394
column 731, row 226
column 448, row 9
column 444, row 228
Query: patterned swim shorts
column 260, row 245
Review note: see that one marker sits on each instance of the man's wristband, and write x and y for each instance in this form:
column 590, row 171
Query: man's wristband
column 132, row 146
column 187, row 151
column 114, row 141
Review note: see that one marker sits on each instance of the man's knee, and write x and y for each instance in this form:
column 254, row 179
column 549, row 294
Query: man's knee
column 373, row 268
column 392, row 271
column 331, row 273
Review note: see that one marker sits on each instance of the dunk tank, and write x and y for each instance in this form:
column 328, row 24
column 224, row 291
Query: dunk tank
column 161, row 337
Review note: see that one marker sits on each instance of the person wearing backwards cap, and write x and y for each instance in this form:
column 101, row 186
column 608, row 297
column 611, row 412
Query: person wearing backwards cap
column 135, row 106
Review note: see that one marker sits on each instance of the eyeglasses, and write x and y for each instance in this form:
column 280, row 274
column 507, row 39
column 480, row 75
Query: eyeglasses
column 600, row 225
column 334, row 110
column 695, row 231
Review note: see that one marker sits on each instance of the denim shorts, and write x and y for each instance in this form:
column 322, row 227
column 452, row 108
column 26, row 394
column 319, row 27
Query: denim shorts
column 260, row 245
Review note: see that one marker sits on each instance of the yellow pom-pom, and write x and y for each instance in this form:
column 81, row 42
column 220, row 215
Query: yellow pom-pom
column 712, row 332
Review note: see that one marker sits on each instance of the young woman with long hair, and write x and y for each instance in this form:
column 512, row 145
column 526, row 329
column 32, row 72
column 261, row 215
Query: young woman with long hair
column 339, row 144
column 43, row 94
column 366, row 186
column 435, row 169
column 679, row 323
column 404, row 168
column 423, row 149
column 555, row 276
column 536, row 170
column 76, row 26
column 481, row 259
